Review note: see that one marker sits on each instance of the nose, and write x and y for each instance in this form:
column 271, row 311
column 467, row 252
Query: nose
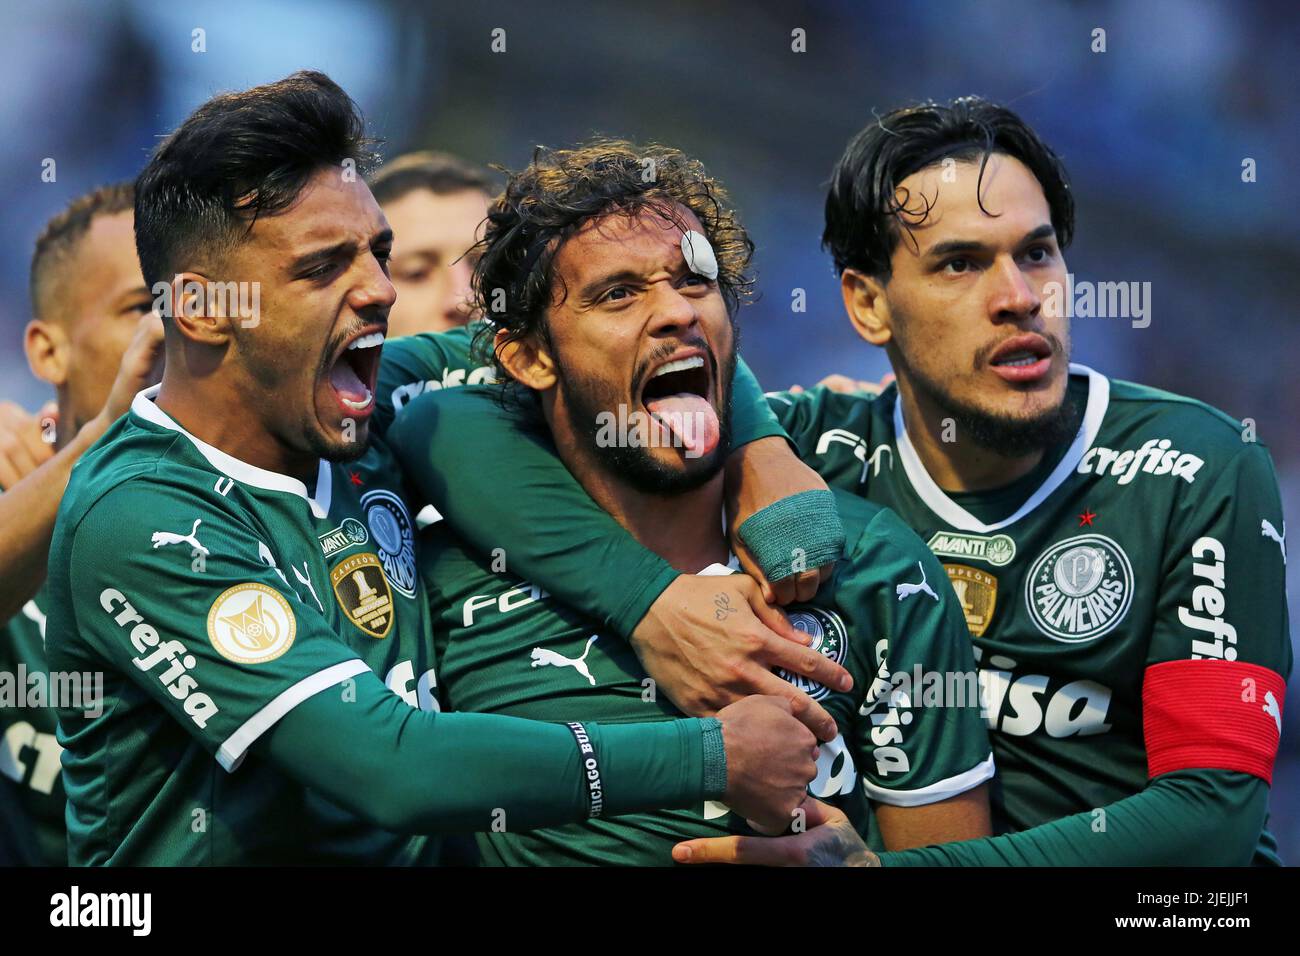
column 1012, row 298
column 373, row 289
column 672, row 311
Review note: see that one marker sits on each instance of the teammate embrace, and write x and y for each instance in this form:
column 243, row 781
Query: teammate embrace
column 250, row 557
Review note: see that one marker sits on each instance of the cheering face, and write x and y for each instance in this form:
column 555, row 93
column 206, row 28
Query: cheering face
column 965, row 300
column 431, row 268
column 308, row 363
column 637, row 337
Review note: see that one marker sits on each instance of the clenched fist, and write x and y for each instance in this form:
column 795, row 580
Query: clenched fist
column 771, row 758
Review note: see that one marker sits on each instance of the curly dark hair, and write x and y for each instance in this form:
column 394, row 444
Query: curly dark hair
column 863, row 212
column 562, row 189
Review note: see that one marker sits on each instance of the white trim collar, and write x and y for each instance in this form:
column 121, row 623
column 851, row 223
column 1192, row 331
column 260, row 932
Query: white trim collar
column 961, row 519
column 143, row 406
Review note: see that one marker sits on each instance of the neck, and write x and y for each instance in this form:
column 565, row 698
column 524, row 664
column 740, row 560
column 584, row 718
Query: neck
column 684, row 529
column 215, row 412
column 956, row 465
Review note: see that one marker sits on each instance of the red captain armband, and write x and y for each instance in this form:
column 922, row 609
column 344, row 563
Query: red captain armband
column 1212, row 715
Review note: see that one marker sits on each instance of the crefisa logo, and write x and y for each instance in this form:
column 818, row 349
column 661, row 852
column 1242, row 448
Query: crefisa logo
column 1079, row 588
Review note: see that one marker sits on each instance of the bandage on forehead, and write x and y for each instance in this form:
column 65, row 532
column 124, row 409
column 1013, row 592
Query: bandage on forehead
column 795, row 534
column 699, row 255
column 1212, row 715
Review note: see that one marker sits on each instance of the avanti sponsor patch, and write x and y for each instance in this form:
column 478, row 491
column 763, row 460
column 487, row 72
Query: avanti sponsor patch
column 998, row 549
column 351, row 533
column 362, row 590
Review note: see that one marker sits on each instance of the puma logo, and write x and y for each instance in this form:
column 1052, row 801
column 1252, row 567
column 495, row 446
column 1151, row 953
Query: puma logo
column 544, row 657
column 1271, row 708
column 161, row 538
column 1266, row 530
column 907, row 590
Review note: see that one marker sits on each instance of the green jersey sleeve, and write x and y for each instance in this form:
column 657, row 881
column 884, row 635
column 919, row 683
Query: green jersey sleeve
column 532, row 512
column 429, row 361
column 1223, row 595
column 1186, row 818
column 413, row 771
column 212, row 633
column 552, row 532
column 921, row 738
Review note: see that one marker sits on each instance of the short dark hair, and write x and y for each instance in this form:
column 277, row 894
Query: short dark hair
column 440, row 173
column 562, row 189
column 863, row 215
column 239, row 156
column 58, row 241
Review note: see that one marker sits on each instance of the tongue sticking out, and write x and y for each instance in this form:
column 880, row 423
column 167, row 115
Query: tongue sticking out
column 345, row 381
column 691, row 419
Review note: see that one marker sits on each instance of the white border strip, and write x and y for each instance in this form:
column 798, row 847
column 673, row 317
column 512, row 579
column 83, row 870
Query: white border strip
column 958, row 517
column 934, row 792
column 144, row 406
column 231, row 754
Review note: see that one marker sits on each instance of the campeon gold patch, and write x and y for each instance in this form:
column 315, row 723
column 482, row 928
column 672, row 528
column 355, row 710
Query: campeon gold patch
column 978, row 593
column 362, row 590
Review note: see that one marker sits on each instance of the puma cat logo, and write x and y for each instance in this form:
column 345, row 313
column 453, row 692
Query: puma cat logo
column 543, row 657
column 907, row 590
column 1271, row 708
column 161, row 538
column 1266, row 530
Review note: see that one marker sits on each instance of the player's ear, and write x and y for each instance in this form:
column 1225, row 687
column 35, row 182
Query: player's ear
column 868, row 309
column 527, row 361
column 47, row 348
column 194, row 312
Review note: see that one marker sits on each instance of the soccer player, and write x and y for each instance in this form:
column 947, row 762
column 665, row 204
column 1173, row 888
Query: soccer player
column 434, row 203
column 95, row 340
column 269, row 691
column 636, row 312
column 1118, row 550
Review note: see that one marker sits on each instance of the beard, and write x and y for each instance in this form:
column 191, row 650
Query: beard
column 588, row 399
column 1005, row 434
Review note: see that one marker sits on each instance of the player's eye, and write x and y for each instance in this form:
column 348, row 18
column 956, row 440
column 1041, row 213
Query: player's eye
column 619, row 293
column 320, row 272
column 1038, row 255
column 957, row 266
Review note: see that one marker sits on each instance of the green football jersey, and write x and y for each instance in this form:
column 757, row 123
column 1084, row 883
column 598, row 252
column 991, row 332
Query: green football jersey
column 505, row 646
column 32, row 831
column 215, row 597
column 1155, row 536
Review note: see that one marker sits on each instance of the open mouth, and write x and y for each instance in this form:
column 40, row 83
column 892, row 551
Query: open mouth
column 678, row 395
column 1022, row 358
column 355, row 370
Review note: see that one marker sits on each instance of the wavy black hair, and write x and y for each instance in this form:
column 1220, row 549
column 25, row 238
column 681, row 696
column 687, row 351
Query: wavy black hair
column 864, row 212
column 239, row 156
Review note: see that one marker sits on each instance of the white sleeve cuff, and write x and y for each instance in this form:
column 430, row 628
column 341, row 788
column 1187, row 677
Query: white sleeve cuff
column 231, row 754
column 934, row 792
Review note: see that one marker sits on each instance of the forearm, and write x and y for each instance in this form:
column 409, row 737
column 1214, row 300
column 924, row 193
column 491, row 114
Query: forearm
column 27, row 513
column 1188, row 818
column 419, row 772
